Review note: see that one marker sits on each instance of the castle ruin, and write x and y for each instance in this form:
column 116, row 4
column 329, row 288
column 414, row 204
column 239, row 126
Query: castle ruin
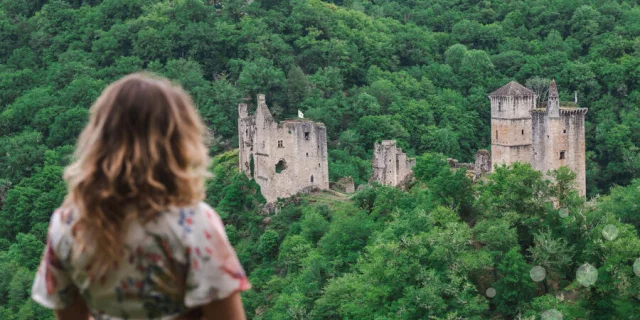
column 284, row 158
column 390, row 165
column 480, row 167
column 547, row 138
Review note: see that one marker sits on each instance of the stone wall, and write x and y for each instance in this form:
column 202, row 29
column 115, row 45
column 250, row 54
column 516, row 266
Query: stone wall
column 511, row 132
column 475, row 170
column 560, row 142
column 390, row 165
column 344, row 184
column 512, row 107
column 283, row 158
column 510, row 154
column 483, row 161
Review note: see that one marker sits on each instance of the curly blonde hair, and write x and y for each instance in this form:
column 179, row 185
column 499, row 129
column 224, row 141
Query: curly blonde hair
column 141, row 153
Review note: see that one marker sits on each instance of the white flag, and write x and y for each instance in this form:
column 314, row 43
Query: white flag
column 300, row 115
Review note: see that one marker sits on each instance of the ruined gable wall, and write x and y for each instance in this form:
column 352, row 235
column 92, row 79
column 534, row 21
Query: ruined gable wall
column 401, row 164
column 300, row 144
column 263, row 147
column 404, row 167
column 384, row 163
column 390, row 165
column 246, row 132
column 483, row 161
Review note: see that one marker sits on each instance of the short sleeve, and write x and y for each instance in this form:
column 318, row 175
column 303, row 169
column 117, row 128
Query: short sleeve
column 53, row 287
column 214, row 272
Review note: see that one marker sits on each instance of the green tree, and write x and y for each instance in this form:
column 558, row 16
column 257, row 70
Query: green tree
column 26, row 251
column 67, row 126
column 268, row 244
column 313, row 226
column 514, row 288
column 292, row 250
column 297, row 87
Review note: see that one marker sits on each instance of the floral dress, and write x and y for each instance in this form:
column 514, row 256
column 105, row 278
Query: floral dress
column 177, row 262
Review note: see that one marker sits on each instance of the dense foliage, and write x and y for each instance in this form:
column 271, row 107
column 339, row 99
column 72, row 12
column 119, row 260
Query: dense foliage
column 415, row 71
column 432, row 252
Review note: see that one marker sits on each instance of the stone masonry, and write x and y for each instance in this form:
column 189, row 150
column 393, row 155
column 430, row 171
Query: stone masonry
column 511, row 124
column 390, row 165
column 475, row 170
column 283, row 158
column 547, row 138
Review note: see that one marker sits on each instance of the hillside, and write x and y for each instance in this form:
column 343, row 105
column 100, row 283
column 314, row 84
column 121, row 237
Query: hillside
column 415, row 71
column 444, row 249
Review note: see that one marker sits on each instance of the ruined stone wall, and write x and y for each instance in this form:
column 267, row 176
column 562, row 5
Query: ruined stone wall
column 289, row 157
column 384, row 163
column 246, row 132
column 483, row 162
column 390, row 165
column 344, row 184
column 480, row 167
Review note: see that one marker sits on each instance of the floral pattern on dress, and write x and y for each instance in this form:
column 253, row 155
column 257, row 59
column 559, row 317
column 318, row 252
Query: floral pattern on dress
column 177, row 262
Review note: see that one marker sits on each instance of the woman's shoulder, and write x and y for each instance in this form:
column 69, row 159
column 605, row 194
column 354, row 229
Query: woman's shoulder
column 60, row 233
column 200, row 212
column 187, row 220
column 62, row 221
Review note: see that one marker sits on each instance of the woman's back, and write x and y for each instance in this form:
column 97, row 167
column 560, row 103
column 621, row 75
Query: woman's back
column 133, row 239
column 180, row 260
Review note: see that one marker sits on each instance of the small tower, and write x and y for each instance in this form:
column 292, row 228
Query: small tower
column 553, row 104
column 511, row 124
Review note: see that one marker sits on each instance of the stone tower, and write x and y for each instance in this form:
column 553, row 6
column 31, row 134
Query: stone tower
column 390, row 165
column 511, row 107
column 283, row 158
column 558, row 138
column 547, row 138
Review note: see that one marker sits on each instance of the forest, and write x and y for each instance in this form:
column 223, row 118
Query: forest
column 415, row 71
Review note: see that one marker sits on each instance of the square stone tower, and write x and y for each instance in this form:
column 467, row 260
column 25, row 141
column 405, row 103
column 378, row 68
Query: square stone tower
column 511, row 107
column 390, row 165
column 283, row 158
column 558, row 138
column 547, row 138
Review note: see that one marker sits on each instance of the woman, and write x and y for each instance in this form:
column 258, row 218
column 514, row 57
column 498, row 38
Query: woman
column 133, row 239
